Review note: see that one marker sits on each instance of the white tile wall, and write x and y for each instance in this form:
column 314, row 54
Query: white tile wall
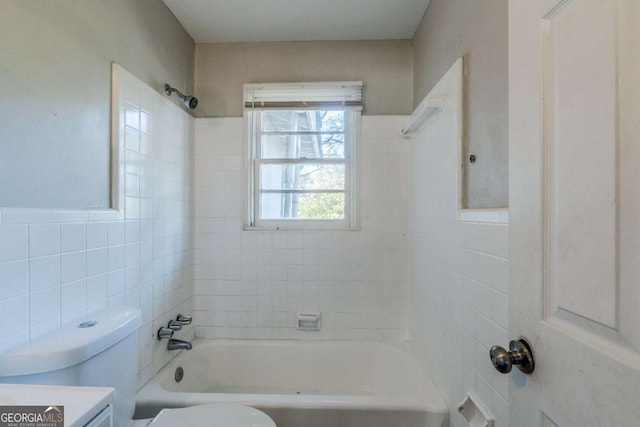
column 250, row 284
column 459, row 296
column 58, row 265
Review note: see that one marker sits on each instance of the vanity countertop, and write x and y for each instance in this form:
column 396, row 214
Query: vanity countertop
column 81, row 404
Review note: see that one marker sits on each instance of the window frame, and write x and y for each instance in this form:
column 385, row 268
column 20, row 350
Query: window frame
column 253, row 132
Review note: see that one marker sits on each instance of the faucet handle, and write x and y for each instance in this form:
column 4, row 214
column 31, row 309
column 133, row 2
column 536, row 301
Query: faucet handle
column 174, row 325
column 164, row 333
column 183, row 319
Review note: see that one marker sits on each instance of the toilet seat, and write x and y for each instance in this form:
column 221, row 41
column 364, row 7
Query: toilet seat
column 212, row 415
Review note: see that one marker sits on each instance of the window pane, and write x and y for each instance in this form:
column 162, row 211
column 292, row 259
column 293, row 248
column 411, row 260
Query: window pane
column 301, row 146
column 301, row 169
column 302, row 177
column 302, row 121
column 327, row 206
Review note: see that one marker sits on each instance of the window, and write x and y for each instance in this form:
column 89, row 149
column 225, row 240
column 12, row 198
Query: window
column 302, row 141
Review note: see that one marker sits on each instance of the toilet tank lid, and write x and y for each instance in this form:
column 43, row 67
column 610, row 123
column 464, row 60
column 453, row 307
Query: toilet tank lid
column 72, row 344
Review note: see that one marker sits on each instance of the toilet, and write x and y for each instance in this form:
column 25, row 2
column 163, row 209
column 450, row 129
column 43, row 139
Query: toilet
column 102, row 351
column 213, row 414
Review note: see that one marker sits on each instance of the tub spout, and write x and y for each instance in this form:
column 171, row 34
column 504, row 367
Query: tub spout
column 175, row 344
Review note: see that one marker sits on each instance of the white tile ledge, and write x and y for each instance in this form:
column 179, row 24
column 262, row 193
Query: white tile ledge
column 492, row 216
column 50, row 215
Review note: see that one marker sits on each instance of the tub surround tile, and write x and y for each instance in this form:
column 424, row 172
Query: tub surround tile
column 72, row 237
column 460, row 271
column 115, row 233
column 14, row 279
column 97, row 289
column 17, row 311
column 44, row 239
column 96, row 235
column 73, row 300
column 44, row 272
column 73, row 266
column 97, row 261
column 45, row 306
column 361, row 275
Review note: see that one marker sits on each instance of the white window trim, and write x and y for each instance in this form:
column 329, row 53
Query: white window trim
column 313, row 96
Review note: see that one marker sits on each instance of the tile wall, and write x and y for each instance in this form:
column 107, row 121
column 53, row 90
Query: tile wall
column 57, row 265
column 178, row 247
column 459, row 292
column 250, row 284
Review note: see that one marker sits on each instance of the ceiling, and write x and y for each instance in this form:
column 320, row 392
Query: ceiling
column 224, row 21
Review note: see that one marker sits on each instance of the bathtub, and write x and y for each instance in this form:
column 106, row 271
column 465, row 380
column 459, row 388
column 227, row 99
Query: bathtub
column 302, row 383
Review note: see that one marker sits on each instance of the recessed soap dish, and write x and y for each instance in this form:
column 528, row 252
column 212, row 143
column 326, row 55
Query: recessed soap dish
column 475, row 412
column 308, row 321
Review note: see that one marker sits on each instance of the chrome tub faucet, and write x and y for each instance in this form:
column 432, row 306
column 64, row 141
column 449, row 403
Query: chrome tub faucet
column 175, row 344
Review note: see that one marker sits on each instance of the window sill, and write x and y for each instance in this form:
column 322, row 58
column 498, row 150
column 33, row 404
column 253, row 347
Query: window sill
column 491, row 216
column 299, row 228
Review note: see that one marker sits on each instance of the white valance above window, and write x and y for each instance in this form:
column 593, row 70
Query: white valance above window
column 303, row 95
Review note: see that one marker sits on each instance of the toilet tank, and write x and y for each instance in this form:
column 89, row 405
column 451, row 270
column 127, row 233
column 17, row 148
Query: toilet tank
column 100, row 350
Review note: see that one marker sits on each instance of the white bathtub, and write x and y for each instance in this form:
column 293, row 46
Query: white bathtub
column 301, row 383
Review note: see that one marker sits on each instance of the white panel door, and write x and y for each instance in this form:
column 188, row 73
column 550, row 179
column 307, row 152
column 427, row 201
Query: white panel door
column 574, row 113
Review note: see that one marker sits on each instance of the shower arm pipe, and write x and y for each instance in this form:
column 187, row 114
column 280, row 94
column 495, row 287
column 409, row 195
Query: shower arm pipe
column 169, row 90
column 423, row 111
column 190, row 101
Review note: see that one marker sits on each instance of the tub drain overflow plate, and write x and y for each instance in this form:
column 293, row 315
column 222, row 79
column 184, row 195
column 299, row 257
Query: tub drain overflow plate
column 179, row 375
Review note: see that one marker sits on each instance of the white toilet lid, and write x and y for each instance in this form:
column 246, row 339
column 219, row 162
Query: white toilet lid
column 213, row 415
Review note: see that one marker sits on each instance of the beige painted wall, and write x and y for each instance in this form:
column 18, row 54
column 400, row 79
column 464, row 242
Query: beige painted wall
column 55, row 79
column 385, row 67
column 478, row 31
